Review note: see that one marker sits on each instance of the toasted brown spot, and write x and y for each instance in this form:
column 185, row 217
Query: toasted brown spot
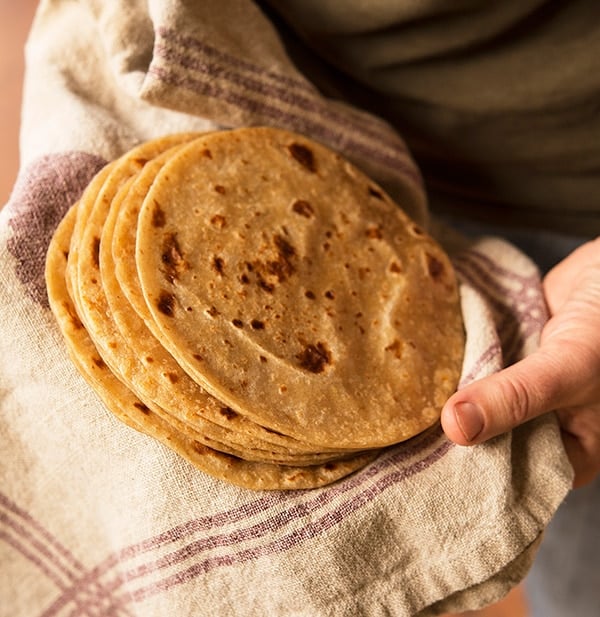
column 375, row 192
column 218, row 264
column 330, row 295
column 172, row 258
column 198, row 357
column 262, row 359
column 201, row 448
column 276, row 266
column 141, row 407
column 96, row 251
column 140, row 161
column 395, row 267
column 219, row 221
column 228, row 413
column 75, row 321
column 206, row 153
column 303, row 155
column 268, row 287
column 238, row 323
column 99, row 362
column 303, row 208
column 330, row 466
column 257, row 324
column 172, row 377
column 314, row 358
column 396, row 348
column 309, row 294
column 435, row 267
column 159, row 218
column 219, row 188
column 374, row 233
column 149, row 359
column 166, row 303
column 244, row 279
column 212, row 312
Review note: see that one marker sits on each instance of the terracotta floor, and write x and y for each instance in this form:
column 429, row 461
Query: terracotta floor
column 15, row 20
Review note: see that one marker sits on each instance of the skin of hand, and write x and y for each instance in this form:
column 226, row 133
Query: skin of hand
column 563, row 375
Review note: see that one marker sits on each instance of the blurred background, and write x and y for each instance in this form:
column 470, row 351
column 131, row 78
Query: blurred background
column 15, row 21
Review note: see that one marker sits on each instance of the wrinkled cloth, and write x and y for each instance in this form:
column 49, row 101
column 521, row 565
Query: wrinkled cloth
column 99, row 520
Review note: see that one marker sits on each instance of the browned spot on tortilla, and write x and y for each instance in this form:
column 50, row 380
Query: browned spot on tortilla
column 276, row 266
column 238, row 323
column 140, row 161
column 330, row 295
column 99, row 362
column 201, row 448
column 435, row 267
column 166, row 303
column 198, row 357
column 374, row 232
column 395, row 267
column 375, row 192
column 172, row 258
column 149, row 359
column 330, row 466
column 219, row 221
column 309, row 294
column 303, row 155
column 257, row 324
column 159, row 218
column 218, row 265
column 219, row 188
column 396, row 348
column 75, row 321
column 228, row 413
column 303, row 208
column 172, row 377
column 96, row 251
column 143, row 408
column 212, row 312
column 262, row 359
column 206, row 153
column 314, row 358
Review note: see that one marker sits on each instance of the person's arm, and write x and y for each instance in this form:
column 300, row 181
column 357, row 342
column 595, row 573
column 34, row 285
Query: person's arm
column 562, row 375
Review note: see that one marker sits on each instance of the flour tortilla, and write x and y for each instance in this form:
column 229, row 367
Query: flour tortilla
column 135, row 357
column 155, row 380
column 292, row 288
column 130, row 410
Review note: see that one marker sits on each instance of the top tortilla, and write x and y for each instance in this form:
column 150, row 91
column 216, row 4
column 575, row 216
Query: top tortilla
column 292, row 288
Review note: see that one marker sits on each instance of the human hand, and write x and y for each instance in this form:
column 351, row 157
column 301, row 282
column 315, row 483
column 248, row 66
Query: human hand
column 563, row 375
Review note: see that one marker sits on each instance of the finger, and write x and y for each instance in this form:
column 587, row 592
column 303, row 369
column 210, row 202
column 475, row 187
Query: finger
column 500, row 402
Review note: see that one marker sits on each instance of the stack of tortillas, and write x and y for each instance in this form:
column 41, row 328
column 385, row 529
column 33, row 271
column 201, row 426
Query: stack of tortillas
column 256, row 303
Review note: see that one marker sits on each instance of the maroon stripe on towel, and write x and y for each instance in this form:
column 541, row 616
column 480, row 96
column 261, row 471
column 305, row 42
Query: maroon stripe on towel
column 273, row 85
column 43, row 193
column 287, row 508
column 273, row 97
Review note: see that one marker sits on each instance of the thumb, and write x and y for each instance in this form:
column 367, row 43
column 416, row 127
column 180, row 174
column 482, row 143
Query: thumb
column 498, row 403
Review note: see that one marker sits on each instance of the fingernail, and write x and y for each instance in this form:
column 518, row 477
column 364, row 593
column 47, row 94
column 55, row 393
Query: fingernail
column 469, row 420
